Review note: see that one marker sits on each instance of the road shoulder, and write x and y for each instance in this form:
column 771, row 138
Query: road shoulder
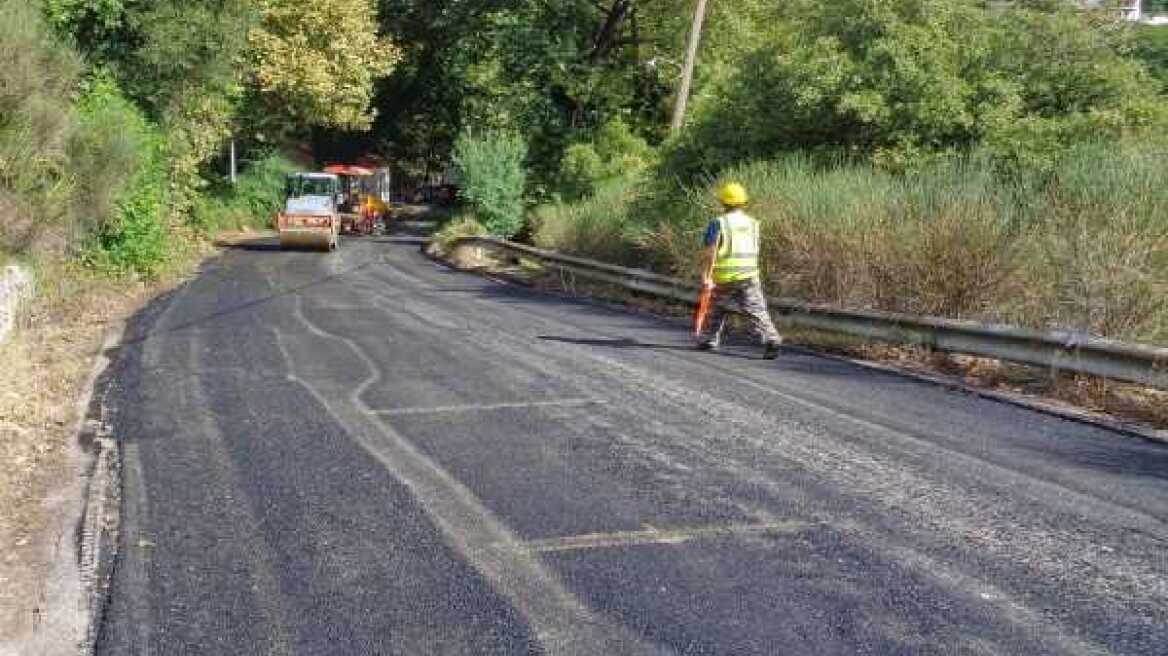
column 1126, row 409
column 58, row 486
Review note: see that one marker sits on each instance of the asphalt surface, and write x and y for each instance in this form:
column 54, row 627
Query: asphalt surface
column 366, row 453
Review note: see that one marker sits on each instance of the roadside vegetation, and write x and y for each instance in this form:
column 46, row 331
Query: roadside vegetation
column 927, row 156
column 1080, row 246
column 249, row 204
column 115, row 119
column 493, row 178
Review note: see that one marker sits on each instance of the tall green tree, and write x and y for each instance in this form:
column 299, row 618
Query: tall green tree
column 898, row 79
column 555, row 71
column 183, row 61
column 207, row 69
column 315, row 62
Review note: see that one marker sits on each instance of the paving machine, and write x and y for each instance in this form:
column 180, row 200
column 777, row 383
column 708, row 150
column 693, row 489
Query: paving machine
column 364, row 206
column 311, row 216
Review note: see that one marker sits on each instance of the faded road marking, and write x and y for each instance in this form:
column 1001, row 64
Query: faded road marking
column 655, row 536
column 482, row 407
column 562, row 623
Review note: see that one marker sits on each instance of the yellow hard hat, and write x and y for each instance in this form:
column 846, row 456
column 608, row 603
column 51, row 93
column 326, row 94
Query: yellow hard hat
column 733, row 194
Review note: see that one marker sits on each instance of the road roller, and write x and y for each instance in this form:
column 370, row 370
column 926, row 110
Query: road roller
column 311, row 218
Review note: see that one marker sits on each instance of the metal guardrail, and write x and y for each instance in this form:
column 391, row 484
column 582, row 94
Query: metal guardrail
column 1065, row 351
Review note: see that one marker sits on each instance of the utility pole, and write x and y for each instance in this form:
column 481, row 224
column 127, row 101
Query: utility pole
column 231, row 170
column 691, row 55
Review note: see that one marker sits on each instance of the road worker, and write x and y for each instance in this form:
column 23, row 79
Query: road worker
column 730, row 266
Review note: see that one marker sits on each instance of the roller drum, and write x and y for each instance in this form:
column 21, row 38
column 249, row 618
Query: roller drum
column 322, row 240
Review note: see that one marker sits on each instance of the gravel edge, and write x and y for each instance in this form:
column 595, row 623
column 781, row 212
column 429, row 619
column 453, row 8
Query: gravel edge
column 98, row 525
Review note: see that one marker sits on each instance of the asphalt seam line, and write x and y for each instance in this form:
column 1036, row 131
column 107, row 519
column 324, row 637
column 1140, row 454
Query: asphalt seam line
column 653, row 536
column 558, row 620
column 486, row 407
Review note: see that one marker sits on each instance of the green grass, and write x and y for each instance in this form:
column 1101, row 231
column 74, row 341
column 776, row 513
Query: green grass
column 599, row 225
column 251, row 203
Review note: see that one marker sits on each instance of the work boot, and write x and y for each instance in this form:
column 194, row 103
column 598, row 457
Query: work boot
column 771, row 350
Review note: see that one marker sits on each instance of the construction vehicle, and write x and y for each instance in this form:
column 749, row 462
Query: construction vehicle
column 311, row 216
column 364, row 205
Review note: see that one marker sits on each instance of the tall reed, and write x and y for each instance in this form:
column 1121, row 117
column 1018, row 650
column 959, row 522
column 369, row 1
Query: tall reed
column 1083, row 247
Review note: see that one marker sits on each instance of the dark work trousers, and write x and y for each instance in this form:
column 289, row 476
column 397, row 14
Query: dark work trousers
column 748, row 297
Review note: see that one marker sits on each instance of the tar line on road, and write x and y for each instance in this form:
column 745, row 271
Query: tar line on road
column 560, row 622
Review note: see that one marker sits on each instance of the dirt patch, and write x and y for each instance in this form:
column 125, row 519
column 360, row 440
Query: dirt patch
column 468, row 258
column 48, row 361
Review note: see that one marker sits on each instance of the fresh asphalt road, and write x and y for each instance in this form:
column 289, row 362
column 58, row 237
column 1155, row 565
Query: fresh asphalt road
column 366, row 453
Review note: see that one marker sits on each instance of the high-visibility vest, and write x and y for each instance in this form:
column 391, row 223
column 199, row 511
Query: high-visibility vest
column 737, row 257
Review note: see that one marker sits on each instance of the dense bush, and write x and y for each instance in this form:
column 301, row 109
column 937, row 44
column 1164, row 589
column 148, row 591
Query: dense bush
column 1151, row 46
column 613, row 153
column 124, row 191
column 581, row 169
column 251, row 203
column 493, row 178
column 37, row 125
column 78, row 162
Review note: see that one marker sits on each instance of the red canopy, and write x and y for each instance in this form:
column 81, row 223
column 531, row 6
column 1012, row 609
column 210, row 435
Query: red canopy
column 347, row 169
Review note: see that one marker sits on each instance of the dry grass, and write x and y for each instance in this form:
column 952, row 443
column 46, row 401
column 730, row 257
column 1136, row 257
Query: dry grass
column 1083, row 248
column 592, row 225
column 455, row 228
column 1130, row 402
column 47, row 361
